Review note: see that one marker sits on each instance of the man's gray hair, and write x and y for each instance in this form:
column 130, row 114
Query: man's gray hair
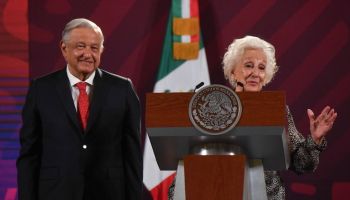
column 78, row 23
column 236, row 50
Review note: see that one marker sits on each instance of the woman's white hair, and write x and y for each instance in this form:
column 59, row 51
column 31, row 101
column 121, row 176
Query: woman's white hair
column 78, row 23
column 236, row 49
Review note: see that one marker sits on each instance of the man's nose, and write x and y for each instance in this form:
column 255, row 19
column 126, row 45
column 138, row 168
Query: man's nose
column 87, row 52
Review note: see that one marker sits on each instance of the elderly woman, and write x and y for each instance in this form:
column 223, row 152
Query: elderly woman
column 249, row 64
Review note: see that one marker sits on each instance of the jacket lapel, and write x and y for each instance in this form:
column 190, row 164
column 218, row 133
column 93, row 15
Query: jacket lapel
column 65, row 94
column 100, row 92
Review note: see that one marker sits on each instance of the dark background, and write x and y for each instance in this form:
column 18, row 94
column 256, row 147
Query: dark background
column 311, row 38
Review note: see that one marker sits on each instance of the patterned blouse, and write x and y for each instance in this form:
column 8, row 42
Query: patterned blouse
column 304, row 154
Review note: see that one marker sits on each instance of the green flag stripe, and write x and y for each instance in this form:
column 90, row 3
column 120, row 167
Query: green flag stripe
column 167, row 63
column 176, row 8
column 177, row 38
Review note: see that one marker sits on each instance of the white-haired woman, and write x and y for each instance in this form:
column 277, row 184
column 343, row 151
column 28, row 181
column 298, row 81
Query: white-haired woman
column 249, row 64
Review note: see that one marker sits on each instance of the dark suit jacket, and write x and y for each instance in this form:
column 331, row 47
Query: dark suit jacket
column 53, row 163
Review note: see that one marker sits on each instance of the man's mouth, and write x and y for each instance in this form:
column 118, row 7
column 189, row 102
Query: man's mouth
column 86, row 61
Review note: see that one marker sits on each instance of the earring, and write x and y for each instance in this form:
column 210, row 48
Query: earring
column 233, row 83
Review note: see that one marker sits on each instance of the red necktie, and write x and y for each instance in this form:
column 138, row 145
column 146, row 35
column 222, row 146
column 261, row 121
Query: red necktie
column 83, row 103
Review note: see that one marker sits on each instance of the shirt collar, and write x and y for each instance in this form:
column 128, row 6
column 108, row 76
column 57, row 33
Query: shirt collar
column 74, row 80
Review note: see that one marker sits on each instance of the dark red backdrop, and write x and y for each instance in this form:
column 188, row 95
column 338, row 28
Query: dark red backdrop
column 311, row 38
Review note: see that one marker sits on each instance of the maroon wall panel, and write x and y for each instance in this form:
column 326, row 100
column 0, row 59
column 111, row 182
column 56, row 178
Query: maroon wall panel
column 311, row 38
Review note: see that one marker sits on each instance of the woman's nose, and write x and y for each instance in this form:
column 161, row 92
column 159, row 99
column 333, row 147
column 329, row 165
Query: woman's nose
column 255, row 71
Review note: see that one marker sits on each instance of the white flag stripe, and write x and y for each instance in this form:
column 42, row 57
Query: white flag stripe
column 152, row 168
column 185, row 38
column 186, row 77
column 185, row 8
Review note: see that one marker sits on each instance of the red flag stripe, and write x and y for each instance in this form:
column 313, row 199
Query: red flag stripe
column 194, row 13
column 194, row 8
column 160, row 192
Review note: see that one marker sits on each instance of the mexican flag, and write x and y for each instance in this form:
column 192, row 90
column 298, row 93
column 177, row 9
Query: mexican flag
column 183, row 66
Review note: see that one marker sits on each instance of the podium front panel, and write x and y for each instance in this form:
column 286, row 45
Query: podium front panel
column 171, row 144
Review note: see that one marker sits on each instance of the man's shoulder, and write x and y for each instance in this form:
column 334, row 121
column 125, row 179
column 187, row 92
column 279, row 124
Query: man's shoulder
column 50, row 76
column 113, row 77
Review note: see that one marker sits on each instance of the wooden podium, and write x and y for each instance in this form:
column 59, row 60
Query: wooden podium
column 260, row 134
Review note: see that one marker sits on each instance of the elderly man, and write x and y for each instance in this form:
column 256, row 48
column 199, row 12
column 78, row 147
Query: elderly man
column 80, row 138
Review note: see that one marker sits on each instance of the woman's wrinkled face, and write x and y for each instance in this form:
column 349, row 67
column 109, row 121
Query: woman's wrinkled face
column 251, row 69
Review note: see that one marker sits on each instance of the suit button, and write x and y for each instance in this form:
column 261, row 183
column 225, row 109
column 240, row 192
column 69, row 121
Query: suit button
column 84, row 146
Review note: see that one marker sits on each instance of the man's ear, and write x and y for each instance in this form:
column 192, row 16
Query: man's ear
column 63, row 48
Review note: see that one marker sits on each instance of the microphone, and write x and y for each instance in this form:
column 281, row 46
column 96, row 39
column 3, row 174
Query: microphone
column 198, row 86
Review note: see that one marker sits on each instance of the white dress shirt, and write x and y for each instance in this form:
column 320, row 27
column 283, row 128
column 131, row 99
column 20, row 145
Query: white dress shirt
column 75, row 91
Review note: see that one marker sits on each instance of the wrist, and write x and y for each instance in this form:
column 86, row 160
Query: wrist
column 317, row 140
column 312, row 143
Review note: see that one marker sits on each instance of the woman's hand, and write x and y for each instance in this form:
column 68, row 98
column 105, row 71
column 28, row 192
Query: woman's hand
column 320, row 125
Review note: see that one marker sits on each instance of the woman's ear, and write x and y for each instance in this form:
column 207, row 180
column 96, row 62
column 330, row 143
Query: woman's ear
column 232, row 76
